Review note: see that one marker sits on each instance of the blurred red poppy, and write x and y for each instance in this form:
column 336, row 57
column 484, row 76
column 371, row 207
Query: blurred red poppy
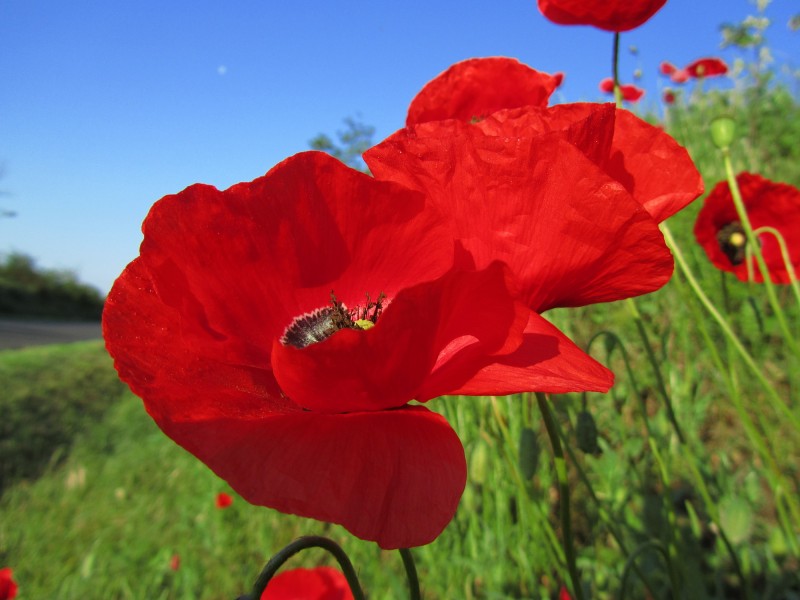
column 557, row 210
column 320, row 583
column 611, row 15
column 277, row 330
column 223, row 500
column 707, row 67
column 563, row 594
column 769, row 204
column 175, row 562
column 475, row 88
column 669, row 97
column 8, row 587
column 630, row 93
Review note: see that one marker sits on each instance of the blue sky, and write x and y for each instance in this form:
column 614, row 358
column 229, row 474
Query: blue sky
column 107, row 106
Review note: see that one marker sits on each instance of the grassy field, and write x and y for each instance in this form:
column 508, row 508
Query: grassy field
column 691, row 492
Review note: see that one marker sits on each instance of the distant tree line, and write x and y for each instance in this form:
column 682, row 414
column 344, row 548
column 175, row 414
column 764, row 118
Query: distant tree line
column 29, row 291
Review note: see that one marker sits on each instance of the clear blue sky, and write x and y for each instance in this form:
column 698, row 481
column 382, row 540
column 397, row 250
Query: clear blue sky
column 107, row 106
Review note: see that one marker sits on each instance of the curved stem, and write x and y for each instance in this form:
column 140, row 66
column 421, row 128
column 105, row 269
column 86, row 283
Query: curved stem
column 563, row 493
column 411, row 574
column 300, row 544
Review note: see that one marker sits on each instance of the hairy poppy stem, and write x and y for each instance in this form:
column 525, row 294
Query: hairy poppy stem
column 615, row 71
column 300, row 544
column 411, row 573
column 563, row 493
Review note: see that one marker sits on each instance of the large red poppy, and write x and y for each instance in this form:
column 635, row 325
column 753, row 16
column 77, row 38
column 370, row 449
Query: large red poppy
column 246, row 327
column 475, row 88
column 320, row 583
column 630, row 92
column 556, row 208
column 769, row 204
column 611, row 15
column 8, row 587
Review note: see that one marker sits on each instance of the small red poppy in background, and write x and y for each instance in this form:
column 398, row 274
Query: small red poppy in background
column 223, row 500
column 630, row 93
column 278, row 330
column 707, row 67
column 8, row 587
column 563, row 594
column 475, row 88
column 611, row 15
column 701, row 68
column 668, row 97
column 769, row 204
column 320, row 583
column 175, row 562
column 674, row 73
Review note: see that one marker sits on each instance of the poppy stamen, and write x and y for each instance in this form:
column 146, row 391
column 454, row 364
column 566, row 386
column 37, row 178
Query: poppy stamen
column 321, row 323
column 733, row 242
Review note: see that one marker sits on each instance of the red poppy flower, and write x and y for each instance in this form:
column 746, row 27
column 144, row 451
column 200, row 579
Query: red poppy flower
column 667, row 68
column 768, row 204
column 563, row 594
column 475, row 88
column 175, row 562
column 707, row 67
column 611, row 15
column 321, row 583
column 630, row 93
column 223, row 500
column 246, row 327
column 8, row 587
column 571, row 233
column 669, row 97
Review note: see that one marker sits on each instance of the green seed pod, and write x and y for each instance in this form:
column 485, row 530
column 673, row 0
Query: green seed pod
column 478, row 462
column 529, row 451
column 586, row 430
column 723, row 132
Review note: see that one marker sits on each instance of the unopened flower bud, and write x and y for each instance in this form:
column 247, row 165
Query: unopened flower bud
column 586, row 431
column 723, row 131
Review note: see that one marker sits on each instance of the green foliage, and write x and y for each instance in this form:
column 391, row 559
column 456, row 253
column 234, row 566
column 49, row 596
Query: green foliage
column 26, row 290
column 50, row 394
column 353, row 142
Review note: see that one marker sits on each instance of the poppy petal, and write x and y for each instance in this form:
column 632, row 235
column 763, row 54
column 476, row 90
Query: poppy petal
column 546, row 361
column 611, row 15
column 393, row 477
column 319, row 583
column 570, row 234
column 475, row 88
column 241, row 264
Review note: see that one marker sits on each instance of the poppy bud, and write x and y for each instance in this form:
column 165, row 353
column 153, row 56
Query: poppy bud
column 586, row 431
column 723, row 131
column 529, row 451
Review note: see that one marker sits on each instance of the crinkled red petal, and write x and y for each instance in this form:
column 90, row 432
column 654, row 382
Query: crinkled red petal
column 475, row 88
column 570, row 234
column 384, row 367
column 611, row 15
column 707, row 67
column 392, row 477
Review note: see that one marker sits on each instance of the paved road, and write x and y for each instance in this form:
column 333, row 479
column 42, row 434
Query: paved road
column 18, row 334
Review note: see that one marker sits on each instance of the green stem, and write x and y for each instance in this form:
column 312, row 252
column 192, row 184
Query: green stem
column 787, row 260
column 563, row 493
column 615, row 71
column 300, row 544
column 752, row 241
column 655, row 545
column 662, row 388
column 411, row 574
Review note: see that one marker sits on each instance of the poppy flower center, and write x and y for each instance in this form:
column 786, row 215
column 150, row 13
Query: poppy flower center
column 322, row 323
column 732, row 242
